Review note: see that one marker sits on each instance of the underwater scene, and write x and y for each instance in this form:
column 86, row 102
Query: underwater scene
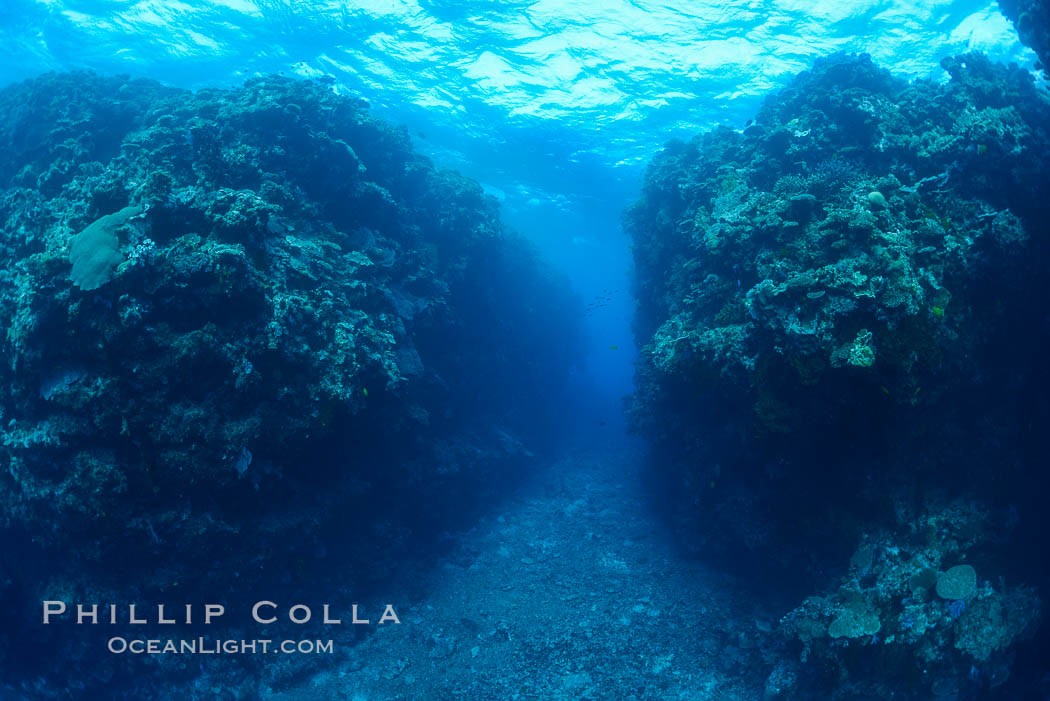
column 627, row 350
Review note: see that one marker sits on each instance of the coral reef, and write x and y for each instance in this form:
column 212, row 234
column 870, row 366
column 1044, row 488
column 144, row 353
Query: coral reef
column 1032, row 19
column 835, row 305
column 895, row 613
column 241, row 325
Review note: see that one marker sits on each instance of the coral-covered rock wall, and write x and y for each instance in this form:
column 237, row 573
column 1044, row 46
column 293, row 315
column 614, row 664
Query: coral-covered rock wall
column 250, row 339
column 1032, row 19
column 842, row 349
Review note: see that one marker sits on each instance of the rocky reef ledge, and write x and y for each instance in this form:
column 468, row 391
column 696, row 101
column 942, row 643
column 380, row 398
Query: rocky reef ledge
column 251, row 341
column 1032, row 20
column 844, row 374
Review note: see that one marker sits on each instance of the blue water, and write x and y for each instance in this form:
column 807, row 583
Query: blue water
column 567, row 560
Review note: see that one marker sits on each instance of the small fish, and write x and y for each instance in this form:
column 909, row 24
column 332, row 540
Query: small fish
column 612, row 347
column 364, row 391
